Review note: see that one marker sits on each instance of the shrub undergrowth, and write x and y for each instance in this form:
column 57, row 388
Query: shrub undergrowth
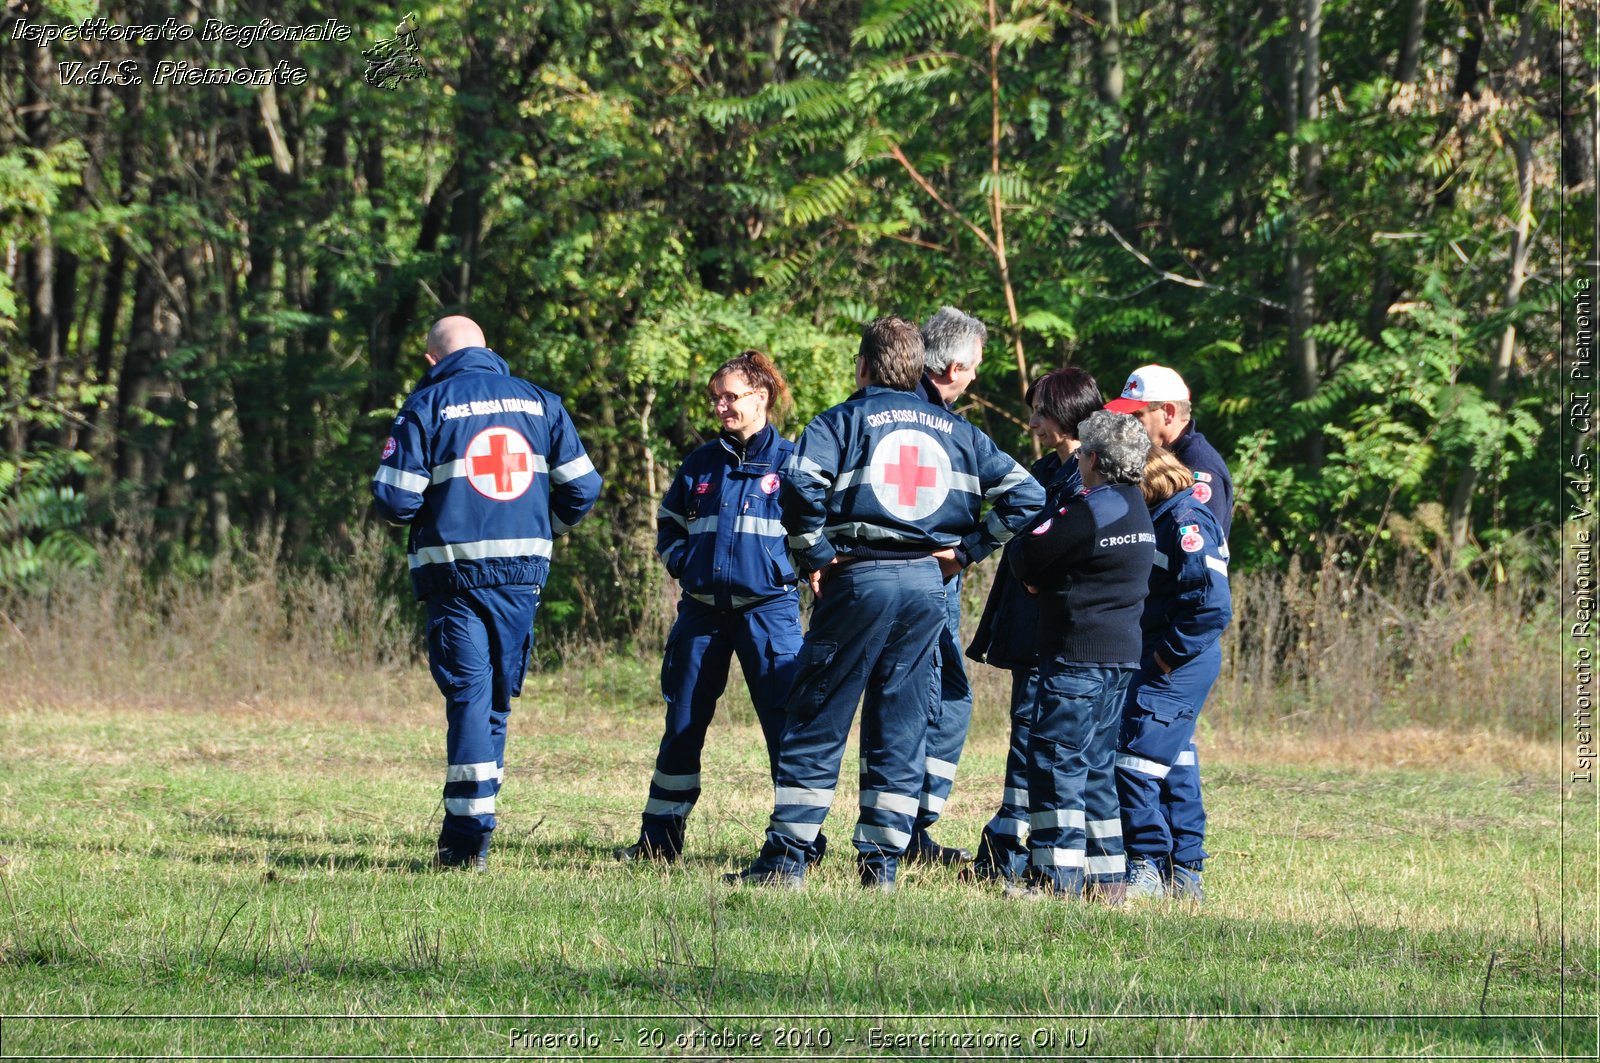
column 1319, row 651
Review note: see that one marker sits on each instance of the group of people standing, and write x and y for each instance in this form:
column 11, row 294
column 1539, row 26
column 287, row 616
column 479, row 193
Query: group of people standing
column 1107, row 608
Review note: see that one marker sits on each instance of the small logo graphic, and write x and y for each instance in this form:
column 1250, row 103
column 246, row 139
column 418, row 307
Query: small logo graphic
column 1041, row 529
column 1191, row 541
column 1204, row 477
column 1202, row 492
column 769, row 482
column 703, row 487
column 389, row 447
column 391, row 61
column 499, row 463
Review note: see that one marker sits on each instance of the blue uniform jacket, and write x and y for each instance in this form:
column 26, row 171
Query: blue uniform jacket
column 1189, row 605
column 487, row 469
column 886, row 474
column 719, row 530
column 1008, row 631
column 1214, row 487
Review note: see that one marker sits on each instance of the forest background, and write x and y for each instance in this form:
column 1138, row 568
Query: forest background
column 1344, row 221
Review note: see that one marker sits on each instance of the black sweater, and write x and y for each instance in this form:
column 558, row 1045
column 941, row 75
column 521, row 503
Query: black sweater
column 1091, row 563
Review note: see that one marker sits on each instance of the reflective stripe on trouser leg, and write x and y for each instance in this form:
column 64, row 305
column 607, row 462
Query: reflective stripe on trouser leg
column 478, row 646
column 952, row 715
column 1070, row 755
column 850, row 642
column 1158, row 722
column 1186, row 814
column 694, row 672
column 1001, row 851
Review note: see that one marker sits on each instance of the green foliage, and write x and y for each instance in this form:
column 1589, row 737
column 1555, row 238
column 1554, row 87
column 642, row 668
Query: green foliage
column 42, row 517
column 626, row 195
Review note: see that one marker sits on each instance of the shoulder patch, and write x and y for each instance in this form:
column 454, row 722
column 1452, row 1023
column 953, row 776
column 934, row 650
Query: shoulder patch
column 1202, row 492
column 1190, row 539
column 1041, row 529
column 769, row 483
column 389, row 447
column 1203, row 477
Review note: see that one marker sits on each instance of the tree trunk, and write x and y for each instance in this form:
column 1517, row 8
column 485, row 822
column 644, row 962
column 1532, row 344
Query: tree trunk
column 1305, row 162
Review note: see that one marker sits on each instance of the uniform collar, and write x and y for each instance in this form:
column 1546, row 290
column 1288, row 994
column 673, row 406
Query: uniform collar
column 928, row 391
column 1186, row 495
column 465, row 360
column 758, row 450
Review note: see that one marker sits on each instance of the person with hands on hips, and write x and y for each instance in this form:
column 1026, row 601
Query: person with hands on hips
column 720, row 536
column 883, row 500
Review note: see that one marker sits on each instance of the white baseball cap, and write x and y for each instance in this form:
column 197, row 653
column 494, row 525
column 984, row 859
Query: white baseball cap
column 1147, row 384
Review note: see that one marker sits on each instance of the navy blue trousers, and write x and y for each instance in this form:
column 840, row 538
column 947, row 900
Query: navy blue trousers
column 478, row 647
column 1158, row 772
column 1002, row 850
column 947, row 730
column 873, row 633
column 1074, row 821
column 694, row 673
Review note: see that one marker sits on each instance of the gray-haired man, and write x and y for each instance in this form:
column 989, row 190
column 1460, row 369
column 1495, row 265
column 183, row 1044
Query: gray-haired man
column 952, row 349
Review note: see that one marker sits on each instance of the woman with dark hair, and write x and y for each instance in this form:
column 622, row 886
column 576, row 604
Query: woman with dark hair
column 720, row 536
column 1188, row 609
column 1008, row 633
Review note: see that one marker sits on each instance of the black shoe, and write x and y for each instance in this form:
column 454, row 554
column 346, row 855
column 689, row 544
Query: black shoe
column 924, row 850
column 463, row 851
column 779, row 880
column 641, row 852
column 447, row 859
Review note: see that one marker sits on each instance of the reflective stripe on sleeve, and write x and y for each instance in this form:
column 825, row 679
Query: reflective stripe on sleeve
column 580, row 466
column 389, row 476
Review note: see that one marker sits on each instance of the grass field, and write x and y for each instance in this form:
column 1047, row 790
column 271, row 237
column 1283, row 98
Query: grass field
column 256, row 868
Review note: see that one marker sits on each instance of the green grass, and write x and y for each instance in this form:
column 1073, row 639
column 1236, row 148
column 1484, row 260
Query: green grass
column 221, row 861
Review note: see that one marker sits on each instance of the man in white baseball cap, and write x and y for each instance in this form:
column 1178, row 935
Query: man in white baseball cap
column 1159, row 398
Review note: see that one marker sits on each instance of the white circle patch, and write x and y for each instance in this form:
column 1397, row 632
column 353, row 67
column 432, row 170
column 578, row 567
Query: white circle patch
column 910, row 473
column 769, row 482
column 499, row 463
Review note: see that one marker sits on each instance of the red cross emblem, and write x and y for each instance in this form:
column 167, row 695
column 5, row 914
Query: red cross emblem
column 910, row 473
column 499, row 463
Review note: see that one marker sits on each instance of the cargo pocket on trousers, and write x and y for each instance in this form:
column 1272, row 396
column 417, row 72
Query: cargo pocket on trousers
column 813, row 679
